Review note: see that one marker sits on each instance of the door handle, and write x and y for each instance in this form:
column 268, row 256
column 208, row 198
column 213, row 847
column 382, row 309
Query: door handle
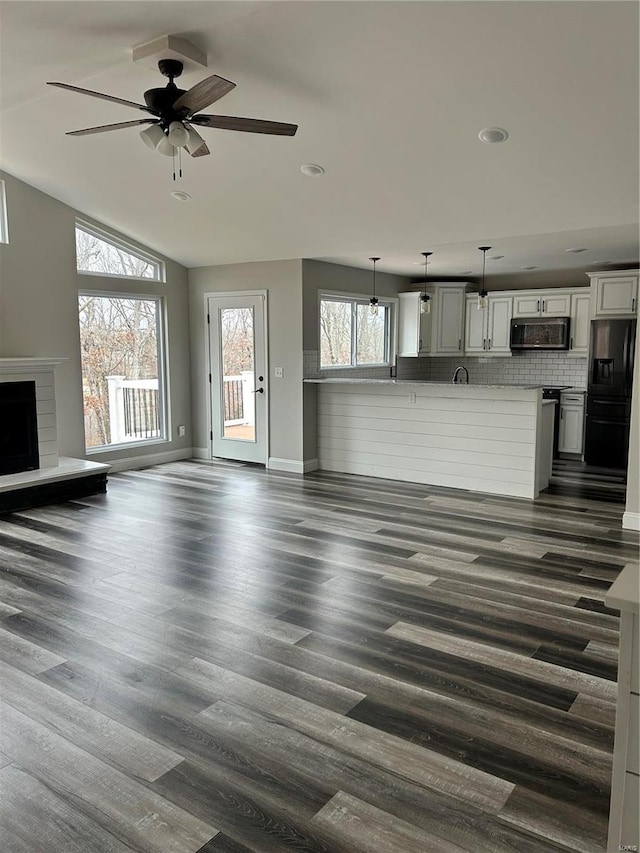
column 258, row 391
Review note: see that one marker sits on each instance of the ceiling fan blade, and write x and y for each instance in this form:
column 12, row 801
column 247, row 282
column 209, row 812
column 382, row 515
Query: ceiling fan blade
column 103, row 127
column 204, row 93
column 104, row 97
column 248, row 125
column 200, row 152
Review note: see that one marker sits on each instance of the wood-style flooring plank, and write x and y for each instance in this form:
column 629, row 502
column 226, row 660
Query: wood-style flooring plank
column 416, row 764
column 120, row 805
column 215, row 658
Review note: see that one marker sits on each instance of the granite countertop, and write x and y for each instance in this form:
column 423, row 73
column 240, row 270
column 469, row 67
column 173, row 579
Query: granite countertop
column 418, row 382
column 624, row 593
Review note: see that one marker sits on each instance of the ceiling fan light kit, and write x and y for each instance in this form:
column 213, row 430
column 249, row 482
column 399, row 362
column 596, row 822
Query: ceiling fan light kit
column 173, row 111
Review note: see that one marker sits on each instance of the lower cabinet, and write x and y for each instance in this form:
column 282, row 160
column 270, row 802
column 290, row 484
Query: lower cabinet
column 571, row 431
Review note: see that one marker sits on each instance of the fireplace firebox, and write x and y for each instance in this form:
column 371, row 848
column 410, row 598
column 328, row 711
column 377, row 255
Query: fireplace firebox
column 18, row 427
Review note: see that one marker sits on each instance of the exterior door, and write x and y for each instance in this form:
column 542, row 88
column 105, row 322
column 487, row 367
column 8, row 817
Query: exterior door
column 237, row 348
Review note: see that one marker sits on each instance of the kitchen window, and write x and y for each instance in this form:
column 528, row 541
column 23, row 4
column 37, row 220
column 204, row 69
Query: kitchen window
column 352, row 336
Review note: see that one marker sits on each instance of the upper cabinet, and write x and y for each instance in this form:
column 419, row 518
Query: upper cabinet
column 487, row 331
column 414, row 327
column 615, row 293
column 441, row 331
column 542, row 303
column 579, row 328
column 448, row 322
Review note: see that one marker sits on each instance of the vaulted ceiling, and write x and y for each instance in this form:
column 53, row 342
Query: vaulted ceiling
column 389, row 98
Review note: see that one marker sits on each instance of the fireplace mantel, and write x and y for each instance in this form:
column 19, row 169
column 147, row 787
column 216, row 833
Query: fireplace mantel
column 29, row 365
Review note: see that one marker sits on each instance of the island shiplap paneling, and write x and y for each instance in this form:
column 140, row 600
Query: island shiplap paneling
column 468, row 442
column 333, row 428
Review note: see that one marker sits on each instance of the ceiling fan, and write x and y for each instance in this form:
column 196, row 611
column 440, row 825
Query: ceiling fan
column 175, row 111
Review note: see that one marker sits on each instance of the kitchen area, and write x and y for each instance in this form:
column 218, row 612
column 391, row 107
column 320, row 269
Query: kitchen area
column 572, row 349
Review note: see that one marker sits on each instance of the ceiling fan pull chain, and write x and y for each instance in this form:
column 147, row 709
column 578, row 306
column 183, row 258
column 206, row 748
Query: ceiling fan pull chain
column 173, row 161
column 180, row 161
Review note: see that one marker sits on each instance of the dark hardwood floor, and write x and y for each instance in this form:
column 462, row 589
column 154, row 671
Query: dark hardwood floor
column 216, row 658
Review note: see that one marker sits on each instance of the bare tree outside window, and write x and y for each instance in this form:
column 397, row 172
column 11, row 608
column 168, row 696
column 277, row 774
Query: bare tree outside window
column 335, row 333
column 351, row 336
column 96, row 255
column 119, row 350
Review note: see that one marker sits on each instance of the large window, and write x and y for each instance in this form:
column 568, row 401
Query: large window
column 99, row 253
column 351, row 336
column 121, row 345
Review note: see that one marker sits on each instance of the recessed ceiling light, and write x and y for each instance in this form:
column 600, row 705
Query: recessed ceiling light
column 495, row 257
column 180, row 195
column 311, row 170
column 575, row 251
column 493, row 134
column 528, row 268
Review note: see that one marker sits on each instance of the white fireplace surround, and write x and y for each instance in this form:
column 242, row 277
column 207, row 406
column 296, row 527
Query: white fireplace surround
column 40, row 371
column 52, row 467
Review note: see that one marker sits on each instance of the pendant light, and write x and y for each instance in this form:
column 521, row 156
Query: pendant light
column 373, row 302
column 483, row 296
column 425, row 299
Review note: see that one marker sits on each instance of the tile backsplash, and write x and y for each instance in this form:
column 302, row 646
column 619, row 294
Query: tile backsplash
column 545, row 368
column 523, row 368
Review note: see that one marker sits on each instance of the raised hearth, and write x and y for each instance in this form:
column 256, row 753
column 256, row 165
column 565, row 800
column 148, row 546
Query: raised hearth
column 44, row 476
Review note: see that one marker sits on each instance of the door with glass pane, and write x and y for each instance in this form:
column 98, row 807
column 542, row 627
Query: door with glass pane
column 238, row 377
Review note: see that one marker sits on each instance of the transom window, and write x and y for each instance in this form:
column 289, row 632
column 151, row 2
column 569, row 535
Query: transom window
column 351, row 335
column 123, row 385
column 99, row 253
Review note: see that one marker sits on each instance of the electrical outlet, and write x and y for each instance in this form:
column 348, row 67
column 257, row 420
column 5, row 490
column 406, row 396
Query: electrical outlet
column 278, row 372
column 182, row 431
column 412, row 397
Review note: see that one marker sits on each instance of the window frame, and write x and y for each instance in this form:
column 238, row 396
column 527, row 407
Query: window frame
column 356, row 299
column 127, row 246
column 4, row 219
column 164, row 408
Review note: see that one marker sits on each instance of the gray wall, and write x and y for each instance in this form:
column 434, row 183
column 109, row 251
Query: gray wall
column 39, row 313
column 283, row 282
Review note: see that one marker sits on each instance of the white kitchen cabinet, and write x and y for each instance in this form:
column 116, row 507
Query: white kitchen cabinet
column 580, row 324
column 542, row 303
column 615, row 294
column 571, row 432
column 414, row 327
column 448, row 322
column 439, row 333
column 487, row 331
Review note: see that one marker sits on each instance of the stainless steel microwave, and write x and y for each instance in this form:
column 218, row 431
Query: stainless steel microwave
column 534, row 333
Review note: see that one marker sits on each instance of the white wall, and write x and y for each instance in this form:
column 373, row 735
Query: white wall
column 283, row 282
column 631, row 517
column 39, row 313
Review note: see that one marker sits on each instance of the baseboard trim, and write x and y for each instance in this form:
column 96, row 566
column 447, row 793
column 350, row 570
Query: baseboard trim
column 292, row 465
column 201, row 453
column 631, row 520
column 131, row 463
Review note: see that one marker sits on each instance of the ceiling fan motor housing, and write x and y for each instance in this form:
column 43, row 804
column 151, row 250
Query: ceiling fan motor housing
column 161, row 100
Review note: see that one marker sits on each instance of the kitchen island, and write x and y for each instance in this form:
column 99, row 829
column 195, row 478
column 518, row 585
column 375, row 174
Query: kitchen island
column 484, row 438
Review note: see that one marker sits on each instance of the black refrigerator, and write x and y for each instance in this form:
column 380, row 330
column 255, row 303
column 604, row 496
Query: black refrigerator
column 606, row 442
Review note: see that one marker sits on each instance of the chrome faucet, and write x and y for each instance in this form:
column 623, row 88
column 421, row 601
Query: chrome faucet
column 455, row 374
